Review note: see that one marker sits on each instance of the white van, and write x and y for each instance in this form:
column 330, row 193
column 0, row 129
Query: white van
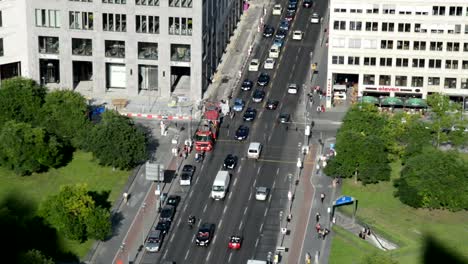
column 255, row 148
column 274, row 52
column 220, row 185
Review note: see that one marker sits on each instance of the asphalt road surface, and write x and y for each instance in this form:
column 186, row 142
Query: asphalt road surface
column 240, row 214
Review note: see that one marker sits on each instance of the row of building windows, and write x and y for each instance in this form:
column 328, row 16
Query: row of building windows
column 402, row 62
column 414, row 81
column 172, row 3
column 400, row 27
column 113, row 48
column 401, row 45
column 391, row 9
column 114, row 22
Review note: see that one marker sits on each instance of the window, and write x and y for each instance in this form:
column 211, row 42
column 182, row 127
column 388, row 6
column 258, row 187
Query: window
column 1, row 47
column 464, row 83
column 48, row 45
column 451, row 64
column 47, row 18
column 421, row 13
column 115, row 48
column 147, row 2
column 338, row 42
column 403, row 44
column 337, row 59
column 417, row 81
column 401, row 80
column 353, row 60
column 386, row 44
column 433, row 81
column 419, row 45
column 115, row 1
column 374, row 10
column 82, row 47
column 465, row 47
column 404, row 27
column 418, row 63
column 386, row 62
column 402, row 62
column 81, row 0
column 355, row 25
column 453, row 46
column 370, row 61
column 418, row 28
column 372, row 26
column 1, row 19
column 455, row 11
column 180, row 26
column 369, row 79
column 370, row 44
column 388, row 27
column 359, row 11
column 114, row 22
column 437, row 46
column 147, row 51
column 450, row 83
column 354, row 43
column 384, row 80
column 147, row 24
column 81, row 20
column 180, row 3
column 339, row 25
column 438, row 10
column 180, row 52
column 437, row 64
column 339, row 10
column 388, row 9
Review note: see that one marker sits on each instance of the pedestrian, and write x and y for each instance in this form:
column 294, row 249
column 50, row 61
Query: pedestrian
column 317, row 227
column 125, row 196
column 368, row 231
column 317, row 217
column 319, row 109
column 185, row 154
column 322, row 197
column 323, row 109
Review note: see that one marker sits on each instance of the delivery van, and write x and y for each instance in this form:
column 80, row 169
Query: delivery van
column 220, row 185
column 254, row 150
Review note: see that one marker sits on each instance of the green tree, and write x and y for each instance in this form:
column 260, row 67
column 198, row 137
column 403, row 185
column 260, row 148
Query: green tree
column 378, row 258
column 442, row 117
column 21, row 100
column 98, row 224
column 64, row 113
column 25, row 149
column 35, row 256
column 117, row 142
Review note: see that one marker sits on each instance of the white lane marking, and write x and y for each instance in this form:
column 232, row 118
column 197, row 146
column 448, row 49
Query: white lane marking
column 202, row 166
column 245, row 210
column 220, row 223
column 240, row 225
column 266, row 210
column 186, row 254
column 284, row 179
column 274, row 182
column 261, row 227
column 165, row 253
column 209, row 255
column 178, row 222
column 230, row 256
column 277, row 171
column 229, row 197
column 172, row 237
column 255, row 181
column 235, row 181
column 269, row 200
column 258, row 171
column 190, row 195
column 256, row 242
column 260, row 115
column 196, row 181
column 269, row 137
column 250, row 196
column 185, row 207
column 228, row 132
column 204, row 208
column 239, row 168
column 224, row 211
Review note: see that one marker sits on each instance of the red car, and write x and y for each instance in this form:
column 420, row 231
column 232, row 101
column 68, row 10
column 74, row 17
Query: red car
column 235, row 242
column 289, row 16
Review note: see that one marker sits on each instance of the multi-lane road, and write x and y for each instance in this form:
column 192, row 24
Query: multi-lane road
column 258, row 222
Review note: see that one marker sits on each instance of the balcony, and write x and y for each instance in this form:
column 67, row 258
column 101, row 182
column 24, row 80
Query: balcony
column 49, row 45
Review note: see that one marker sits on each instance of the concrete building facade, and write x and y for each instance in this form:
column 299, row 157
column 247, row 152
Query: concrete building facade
column 399, row 48
column 117, row 48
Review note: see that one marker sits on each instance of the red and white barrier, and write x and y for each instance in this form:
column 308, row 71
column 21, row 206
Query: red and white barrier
column 157, row 117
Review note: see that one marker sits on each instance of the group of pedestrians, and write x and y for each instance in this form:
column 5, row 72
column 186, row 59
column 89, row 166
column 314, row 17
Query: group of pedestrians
column 364, row 233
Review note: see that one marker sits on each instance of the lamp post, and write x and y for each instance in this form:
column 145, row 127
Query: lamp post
column 290, row 195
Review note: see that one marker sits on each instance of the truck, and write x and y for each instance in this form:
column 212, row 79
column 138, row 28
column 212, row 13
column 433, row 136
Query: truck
column 207, row 131
column 254, row 261
column 220, row 185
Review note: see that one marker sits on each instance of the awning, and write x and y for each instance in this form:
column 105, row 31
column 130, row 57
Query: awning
column 370, row 100
column 391, row 101
column 416, row 102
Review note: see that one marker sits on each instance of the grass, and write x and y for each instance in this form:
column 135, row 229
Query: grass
column 82, row 169
column 400, row 223
column 348, row 248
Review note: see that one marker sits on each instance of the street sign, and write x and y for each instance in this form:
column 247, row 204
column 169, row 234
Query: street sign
column 344, row 200
column 154, row 171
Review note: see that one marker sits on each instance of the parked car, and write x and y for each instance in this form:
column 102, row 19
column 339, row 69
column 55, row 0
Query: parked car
column 238, row 105
column 254, row 64
column 246, row 85
column 258, row 96
column 269, row 64
column 263, row 79
column 268, row 31
column 278, row 42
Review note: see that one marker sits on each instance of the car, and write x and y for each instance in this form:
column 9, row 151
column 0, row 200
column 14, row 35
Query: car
column 272, row 104
column 230, row 162
column 274, row 52
column 163, row 226
column 167, row 213
column 205, row 234
column 187, row 175
column 278, row 42
column 173, row 200
column 242, row 133
column 235, row 242
column 268, row 31
column 315, row 18
column 297, row 35
column 281, row 34
column 292, row 88
column 293, row 1
column 292, row 7
column 277, row 10
column 269, row 64
column 258, row 96
column 284, row 25
column 284, row 118
column 154, row 241
column 250, row 114
column 238, row 105
column 254, row 64
column 307, row 3
column 263, row 79
column 261, row 193
column 290, row 16
column 246, row 85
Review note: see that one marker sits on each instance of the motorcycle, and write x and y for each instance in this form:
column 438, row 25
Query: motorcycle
column 191, row 222
column 199, row 157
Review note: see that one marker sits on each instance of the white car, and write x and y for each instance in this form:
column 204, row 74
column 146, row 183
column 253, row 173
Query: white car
column 269, row 64
column 315, row 19
column 292, row 88
column 261, row 193
column 254, row 64
column 277, row 10
column 297, row 35
column 274, row 52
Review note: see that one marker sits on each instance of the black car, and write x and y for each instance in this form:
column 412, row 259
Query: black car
column 242, row 133
column 163, row 226
column 281, row 34
column 284, row 118
column 173, row 200
column 205, row 234
column 258, row 96
column 246, row 85
column 250, row 114
column 263, row 79
column 272, row 104
column 268, row 31
column 167, row 213
column 292, row 8
column 307, row 3
column 230, row 162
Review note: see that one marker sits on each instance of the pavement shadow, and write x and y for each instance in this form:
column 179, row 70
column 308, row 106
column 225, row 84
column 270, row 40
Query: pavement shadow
column 169, row 175
column 101, row 198
column 117, row 218
column 152, row 142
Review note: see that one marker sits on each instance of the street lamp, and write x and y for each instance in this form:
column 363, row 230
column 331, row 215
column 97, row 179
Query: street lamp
column 290, row 195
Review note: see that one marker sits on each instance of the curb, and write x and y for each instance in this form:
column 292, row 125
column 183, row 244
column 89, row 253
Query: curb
column 157, row 116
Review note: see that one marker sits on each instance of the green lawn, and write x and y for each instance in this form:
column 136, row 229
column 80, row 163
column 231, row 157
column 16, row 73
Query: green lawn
column 400, row 223
column 80, row 170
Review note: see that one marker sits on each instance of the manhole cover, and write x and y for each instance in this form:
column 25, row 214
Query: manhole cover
column 225, row 80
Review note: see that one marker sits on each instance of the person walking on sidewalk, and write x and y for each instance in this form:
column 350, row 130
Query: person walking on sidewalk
column 322, row 197
column 317, row 217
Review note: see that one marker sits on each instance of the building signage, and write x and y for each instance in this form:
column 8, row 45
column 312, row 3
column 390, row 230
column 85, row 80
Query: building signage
column 384, row 89
column 329, row 88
